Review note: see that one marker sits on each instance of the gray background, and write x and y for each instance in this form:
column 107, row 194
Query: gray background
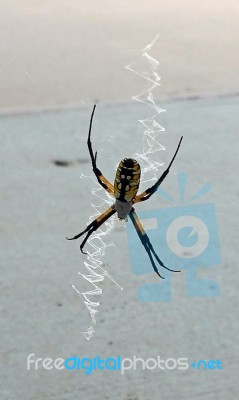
column 41, row 203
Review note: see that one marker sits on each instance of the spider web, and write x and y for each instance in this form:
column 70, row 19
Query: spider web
column 146, row 67
column 96, row 245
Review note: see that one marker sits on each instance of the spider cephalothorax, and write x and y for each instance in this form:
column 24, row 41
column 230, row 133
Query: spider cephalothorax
column 124, row 191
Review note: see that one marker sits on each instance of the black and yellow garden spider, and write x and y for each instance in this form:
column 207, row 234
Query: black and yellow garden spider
column 124, row 191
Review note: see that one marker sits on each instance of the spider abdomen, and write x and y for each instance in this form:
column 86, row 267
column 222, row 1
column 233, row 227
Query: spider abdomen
column 127, row 179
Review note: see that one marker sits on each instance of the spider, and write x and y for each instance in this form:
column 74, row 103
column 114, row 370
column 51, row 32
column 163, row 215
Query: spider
column 124, row 191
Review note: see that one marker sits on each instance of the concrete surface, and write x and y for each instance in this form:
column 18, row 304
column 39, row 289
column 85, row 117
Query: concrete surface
column 74, row 52
column 41, row 203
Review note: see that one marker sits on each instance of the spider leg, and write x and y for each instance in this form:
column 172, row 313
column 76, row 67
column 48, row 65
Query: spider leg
column 146, row 243
column 146, row 195
column 93, row 226
column 100, row 177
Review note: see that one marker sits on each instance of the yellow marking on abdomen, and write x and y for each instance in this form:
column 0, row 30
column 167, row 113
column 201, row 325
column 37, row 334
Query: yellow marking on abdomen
column 127, row 180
